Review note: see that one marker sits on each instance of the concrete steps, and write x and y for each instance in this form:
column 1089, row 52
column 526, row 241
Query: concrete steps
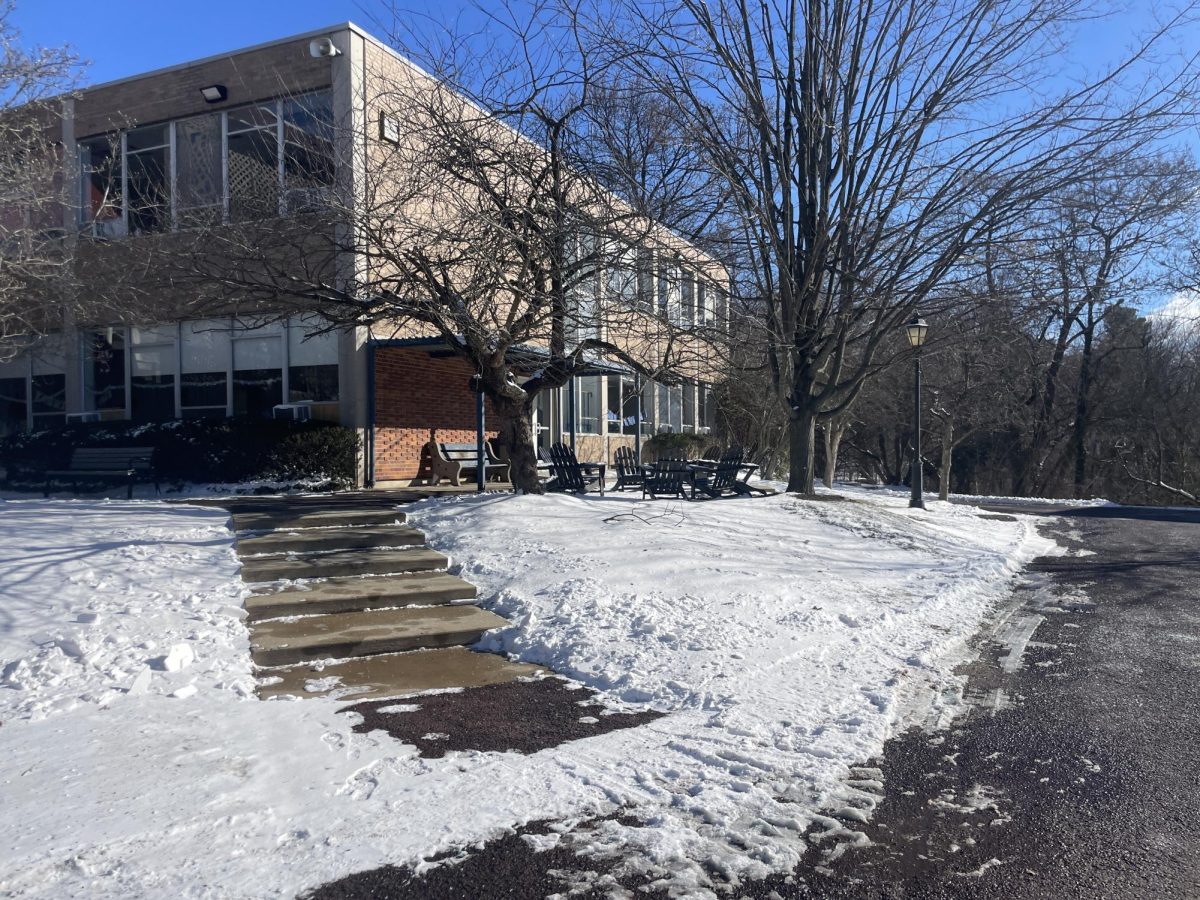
column 396, row 674
column 336, row 595
column 341, row 563
column 281, row 642
column 269, row 519
column 309, row 540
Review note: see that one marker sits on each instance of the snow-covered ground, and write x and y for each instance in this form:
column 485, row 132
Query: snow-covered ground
column 785, row 639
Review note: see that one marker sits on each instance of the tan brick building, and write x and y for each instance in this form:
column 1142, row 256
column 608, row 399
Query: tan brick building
column 248, row 135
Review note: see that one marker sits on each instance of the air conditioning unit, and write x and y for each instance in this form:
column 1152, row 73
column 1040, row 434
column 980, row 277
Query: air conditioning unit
column 93, row 416
column 297, row 412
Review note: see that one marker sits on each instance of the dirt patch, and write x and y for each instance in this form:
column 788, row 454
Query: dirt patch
column 524, row 716
column 532, row 862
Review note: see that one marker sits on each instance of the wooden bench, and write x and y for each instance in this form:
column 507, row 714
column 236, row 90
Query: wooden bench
column 106, row 464
column 453, row 461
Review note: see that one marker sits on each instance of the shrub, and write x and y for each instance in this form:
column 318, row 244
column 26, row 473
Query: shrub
column 690, row 444
column 199, row 450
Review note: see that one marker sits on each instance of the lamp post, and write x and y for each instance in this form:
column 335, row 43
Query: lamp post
column 916, row 331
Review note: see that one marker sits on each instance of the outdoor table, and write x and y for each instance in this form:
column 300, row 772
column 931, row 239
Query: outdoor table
column 600, row 469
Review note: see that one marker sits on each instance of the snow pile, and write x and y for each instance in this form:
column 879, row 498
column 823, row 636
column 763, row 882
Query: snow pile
column 785, row 639
column 87, row 616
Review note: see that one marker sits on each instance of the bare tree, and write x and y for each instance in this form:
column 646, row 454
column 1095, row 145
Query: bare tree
column 478, row 215
column 35, row 262
column 872, row 147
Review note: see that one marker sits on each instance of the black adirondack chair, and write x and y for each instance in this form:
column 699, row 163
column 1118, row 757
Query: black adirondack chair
column 629, row 473
column 719, row 480
column 569, row 475
column 666, row 478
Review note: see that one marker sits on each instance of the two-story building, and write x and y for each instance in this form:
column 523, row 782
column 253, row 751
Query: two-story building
column 250, row 135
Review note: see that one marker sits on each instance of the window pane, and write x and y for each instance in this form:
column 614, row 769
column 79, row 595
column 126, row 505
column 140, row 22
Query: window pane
column 152, row 383
column 589, row 405
column 204, row 389
column 631, row 414
column 253, row 175
column 104, row 368
column 205, row 358
column 258, row 374
column 198, row 170
column 146, row 138
column 664, row 409
column 251, row 117
column 689, row 309
column 316, row 383
column 613, row 412
column 206, row 346
column 49, row 399
column 308, row 150
column 689, row 404
column 14, row 405
column 149, row 185
column 100, row 183
column 306, row 348
column 676, row 395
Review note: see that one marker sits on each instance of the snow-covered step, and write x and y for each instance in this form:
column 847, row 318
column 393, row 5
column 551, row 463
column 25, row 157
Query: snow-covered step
column 281, row 642
column 322, row 539
column 395, row 674
column 342, row 562
column 269, row 519
column 336, row 595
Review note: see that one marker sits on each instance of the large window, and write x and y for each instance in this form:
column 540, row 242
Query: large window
column 258, row 371
column 588, row 409
column 585, row 310
column 312, row 363
column 645, row 281
column 104, row 369
column 307, row 151
column 148, row 179
column 48, row 384
column 101, row 207
column 199, row 175
column 688, row 289
column 252, row 162
column 204, row 362
column 152, row 374
column 14, row 396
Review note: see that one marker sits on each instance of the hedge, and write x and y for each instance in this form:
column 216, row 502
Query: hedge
column 201, row 450
column 692, row 445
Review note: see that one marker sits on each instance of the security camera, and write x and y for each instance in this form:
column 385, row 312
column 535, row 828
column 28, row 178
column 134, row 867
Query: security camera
column 322, row 47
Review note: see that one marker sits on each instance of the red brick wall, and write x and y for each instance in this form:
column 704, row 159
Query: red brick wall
column 419, row 398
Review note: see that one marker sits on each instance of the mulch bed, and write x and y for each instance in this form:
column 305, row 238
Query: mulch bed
column 521, row 716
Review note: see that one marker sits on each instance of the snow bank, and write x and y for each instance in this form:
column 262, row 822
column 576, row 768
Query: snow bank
column 785, row 639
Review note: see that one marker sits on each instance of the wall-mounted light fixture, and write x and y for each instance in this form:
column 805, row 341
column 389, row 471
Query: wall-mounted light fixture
column 214, row 93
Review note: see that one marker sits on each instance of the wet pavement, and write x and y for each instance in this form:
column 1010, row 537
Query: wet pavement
column 1075, row 771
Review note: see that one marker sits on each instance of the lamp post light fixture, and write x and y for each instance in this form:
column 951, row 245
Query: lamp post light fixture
column 916, row 330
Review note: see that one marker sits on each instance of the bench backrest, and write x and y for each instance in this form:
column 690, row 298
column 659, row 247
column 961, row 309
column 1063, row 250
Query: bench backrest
column 137, row 458
column 468, row 453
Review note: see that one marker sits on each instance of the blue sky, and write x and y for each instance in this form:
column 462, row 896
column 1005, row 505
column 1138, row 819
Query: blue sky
column 125, row 37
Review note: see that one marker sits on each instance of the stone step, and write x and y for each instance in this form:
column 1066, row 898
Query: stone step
column 336, row 595
column 394, row 675
column 286, row 517
column 281, row 642
column 341, row 563
column 321, row 539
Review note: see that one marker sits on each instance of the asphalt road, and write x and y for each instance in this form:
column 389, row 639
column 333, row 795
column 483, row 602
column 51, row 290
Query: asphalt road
column 1078, row 772
column 1075, row 774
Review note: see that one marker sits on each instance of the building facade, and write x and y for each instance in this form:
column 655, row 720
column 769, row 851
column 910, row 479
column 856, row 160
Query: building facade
column 251, row 135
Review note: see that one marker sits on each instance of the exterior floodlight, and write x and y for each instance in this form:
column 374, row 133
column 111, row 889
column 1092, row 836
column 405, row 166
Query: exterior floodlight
column 214, row 93
column 916, row 331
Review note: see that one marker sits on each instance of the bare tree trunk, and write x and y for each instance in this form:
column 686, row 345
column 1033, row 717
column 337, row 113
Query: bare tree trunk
column 516, row 436
column 802, row 455
column 946, row 460
column 834, row 432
